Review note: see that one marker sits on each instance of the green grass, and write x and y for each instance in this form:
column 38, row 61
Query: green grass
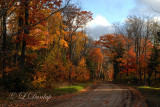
column 152, row 95
column 54, row 92
column 67, row 89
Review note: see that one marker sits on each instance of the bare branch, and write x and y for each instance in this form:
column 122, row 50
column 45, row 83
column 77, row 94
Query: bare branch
column 158, row 11
column 12, row 11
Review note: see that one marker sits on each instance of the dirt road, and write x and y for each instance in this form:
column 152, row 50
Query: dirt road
column 106, row 94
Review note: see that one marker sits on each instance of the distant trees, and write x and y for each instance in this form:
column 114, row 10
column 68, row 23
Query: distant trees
column 113, row 46
column 136, row 49
column 96, row 58
column 74, row 19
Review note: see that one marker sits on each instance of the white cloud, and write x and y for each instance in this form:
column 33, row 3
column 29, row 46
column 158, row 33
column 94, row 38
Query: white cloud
column 99, row 26
column 98, row 21
column 149, row 2
column 146, row 7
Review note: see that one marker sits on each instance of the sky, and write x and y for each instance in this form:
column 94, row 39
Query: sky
column 107, row 12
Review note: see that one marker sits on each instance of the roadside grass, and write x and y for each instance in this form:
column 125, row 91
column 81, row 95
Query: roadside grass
column 61, row 90
column 151, row 94
column 66, row 89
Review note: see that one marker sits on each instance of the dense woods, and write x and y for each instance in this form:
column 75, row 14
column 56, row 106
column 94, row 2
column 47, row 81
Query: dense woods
column 43, row 42
column 133, row 50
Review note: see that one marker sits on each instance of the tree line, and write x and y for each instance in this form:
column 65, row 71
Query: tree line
column 44, row 42
column 133, row 50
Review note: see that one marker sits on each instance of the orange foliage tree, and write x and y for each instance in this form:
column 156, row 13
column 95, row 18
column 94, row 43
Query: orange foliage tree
column 113, row 47
column 96, row 57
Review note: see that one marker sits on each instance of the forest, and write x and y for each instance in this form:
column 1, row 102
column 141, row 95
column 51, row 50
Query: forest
column 134, row 50
column 41, row 43
column 44, row 42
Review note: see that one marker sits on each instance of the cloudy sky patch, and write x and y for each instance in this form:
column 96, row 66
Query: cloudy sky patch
column 99, row 26
column 107, row 12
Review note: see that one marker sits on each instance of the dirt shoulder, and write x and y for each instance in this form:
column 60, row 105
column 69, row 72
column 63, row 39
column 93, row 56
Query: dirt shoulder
column 100, row 94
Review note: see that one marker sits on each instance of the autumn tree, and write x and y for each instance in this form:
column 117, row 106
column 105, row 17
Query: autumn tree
column 96, row 57
column 43, row 43
column 7, row 7
column 113, row 47
column 138, row 32
column 74, row 19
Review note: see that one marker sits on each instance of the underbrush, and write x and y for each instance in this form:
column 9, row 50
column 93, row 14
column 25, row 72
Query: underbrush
column 57, row 90
column 61, row 90
column 151, row 94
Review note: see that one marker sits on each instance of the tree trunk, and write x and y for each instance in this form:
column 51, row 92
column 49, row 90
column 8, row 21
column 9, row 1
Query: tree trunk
column 70, row 51
column 155, row 76
column 4, row 30
column 26, row 32
column 59, row 38
column 145, row 61
column 149, row 79
column 20, row 24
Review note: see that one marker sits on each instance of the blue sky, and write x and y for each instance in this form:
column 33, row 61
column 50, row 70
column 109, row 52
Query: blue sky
column 107, row 12
column 112, row 10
